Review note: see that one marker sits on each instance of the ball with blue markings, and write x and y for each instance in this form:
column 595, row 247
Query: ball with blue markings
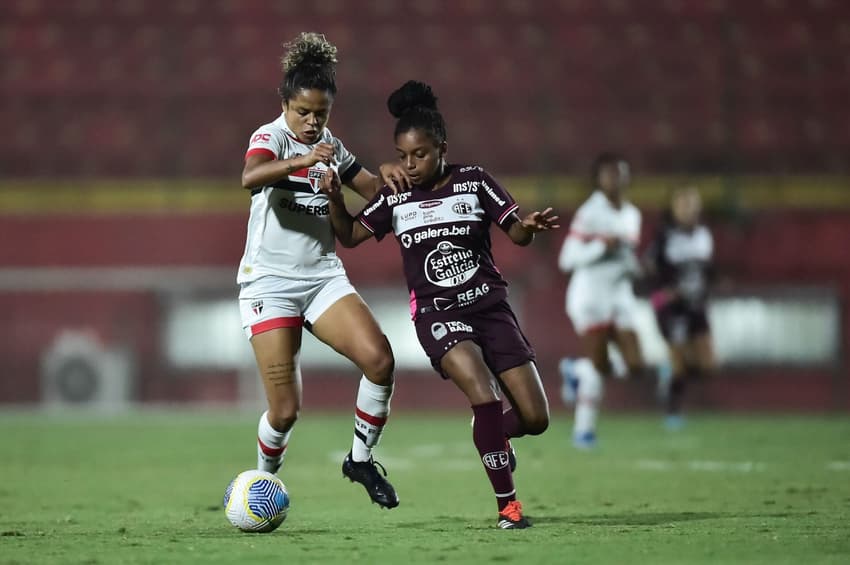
column 256, row 501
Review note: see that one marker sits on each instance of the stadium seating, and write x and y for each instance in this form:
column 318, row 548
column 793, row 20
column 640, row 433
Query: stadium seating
column 526, row 86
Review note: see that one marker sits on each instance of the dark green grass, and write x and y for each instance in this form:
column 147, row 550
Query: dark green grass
column 147, row 487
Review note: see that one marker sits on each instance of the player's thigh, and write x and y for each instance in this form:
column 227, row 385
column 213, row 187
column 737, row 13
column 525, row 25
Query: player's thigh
column 703, row 352
column 464, row 364
column 679, row 355
column 629, row 346
column 594, row 344
column 277, row 353
column 349, row 327
column 525, row 389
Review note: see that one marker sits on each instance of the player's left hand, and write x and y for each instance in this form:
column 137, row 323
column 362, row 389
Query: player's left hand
column 540, row 221
column 395, row 176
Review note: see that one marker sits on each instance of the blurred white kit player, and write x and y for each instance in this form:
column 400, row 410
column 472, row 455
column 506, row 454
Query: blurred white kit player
column 599, row 251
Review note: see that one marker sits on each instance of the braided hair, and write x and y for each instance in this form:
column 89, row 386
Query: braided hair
column 414, row 105
column 308, row 63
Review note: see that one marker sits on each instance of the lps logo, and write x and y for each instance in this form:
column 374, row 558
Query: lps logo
column 439, row 331
column 495, row 460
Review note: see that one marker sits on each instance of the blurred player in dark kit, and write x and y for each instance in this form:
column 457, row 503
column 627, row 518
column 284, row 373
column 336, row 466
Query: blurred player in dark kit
column 679, row 262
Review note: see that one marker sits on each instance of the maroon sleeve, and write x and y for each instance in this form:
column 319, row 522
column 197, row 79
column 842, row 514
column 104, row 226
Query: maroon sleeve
column 377, row 216
column 497, row 202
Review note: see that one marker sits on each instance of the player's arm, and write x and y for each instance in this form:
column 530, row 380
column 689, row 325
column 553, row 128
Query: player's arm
column 522, row 230
column 367, row 185
column 349, row 232
column 583, row 246
column 262, row 169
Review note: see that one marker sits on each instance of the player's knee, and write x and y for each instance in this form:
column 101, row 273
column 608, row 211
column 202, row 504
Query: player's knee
column 282, row 418
column 378, row 363
column 537, row 423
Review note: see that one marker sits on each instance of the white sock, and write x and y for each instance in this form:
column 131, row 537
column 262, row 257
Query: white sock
column 373, row 407
column 271, row 445
column 588, row 398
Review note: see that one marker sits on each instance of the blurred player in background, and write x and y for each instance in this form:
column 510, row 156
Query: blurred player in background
column 458, row 298
column 290, row 275
column 599, row 251
column 679, row 264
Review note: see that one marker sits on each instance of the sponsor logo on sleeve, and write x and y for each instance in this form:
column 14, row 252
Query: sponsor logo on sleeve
column 375, row 205
column 261, row 138
column 492, row 193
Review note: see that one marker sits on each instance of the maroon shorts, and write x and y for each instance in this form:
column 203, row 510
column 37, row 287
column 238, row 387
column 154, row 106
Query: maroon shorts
column 680, row 324
column 494, row 329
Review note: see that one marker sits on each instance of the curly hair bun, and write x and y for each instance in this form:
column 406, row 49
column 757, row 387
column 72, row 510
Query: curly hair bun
column 308, row 49
column 412, row 94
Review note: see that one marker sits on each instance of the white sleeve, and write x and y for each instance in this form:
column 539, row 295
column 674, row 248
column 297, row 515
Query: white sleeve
column 634, row 234
column 266, row 140
column 577, row 252
column 582, row 245
column 344, row 157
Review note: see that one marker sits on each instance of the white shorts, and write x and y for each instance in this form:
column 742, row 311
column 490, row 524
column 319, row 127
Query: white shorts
column 272, row 302
column 592, row 308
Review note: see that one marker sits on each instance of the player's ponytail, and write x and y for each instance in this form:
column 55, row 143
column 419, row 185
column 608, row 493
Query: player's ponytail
column 309, row 62
column 414, row 105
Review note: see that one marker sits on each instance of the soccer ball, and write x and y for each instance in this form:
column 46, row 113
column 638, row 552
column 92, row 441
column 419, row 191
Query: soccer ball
column 256, row 501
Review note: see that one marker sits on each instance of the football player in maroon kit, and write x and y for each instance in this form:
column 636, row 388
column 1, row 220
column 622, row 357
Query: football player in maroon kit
column 458, row 298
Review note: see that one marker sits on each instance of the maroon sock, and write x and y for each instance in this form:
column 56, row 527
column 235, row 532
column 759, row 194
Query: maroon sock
column 488, row 434
column 512, row 424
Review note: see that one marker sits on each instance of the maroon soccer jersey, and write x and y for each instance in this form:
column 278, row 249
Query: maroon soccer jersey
column 444, row 237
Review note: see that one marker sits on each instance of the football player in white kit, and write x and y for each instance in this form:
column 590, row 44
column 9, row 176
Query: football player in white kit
column 599, row 251
column 290, row 276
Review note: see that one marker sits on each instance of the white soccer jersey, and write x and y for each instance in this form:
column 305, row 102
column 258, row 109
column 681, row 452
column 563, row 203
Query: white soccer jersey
column 289, row 230
column 600, row 288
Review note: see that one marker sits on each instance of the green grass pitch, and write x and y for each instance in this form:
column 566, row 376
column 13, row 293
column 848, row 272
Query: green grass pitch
column 146, row 488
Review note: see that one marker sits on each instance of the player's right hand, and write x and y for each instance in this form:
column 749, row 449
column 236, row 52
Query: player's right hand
column 612, row 244
column 330, row 185
column 321, row 153
column 395, row 176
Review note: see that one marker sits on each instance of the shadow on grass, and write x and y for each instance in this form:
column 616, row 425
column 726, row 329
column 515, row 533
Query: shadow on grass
column 631, row 518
